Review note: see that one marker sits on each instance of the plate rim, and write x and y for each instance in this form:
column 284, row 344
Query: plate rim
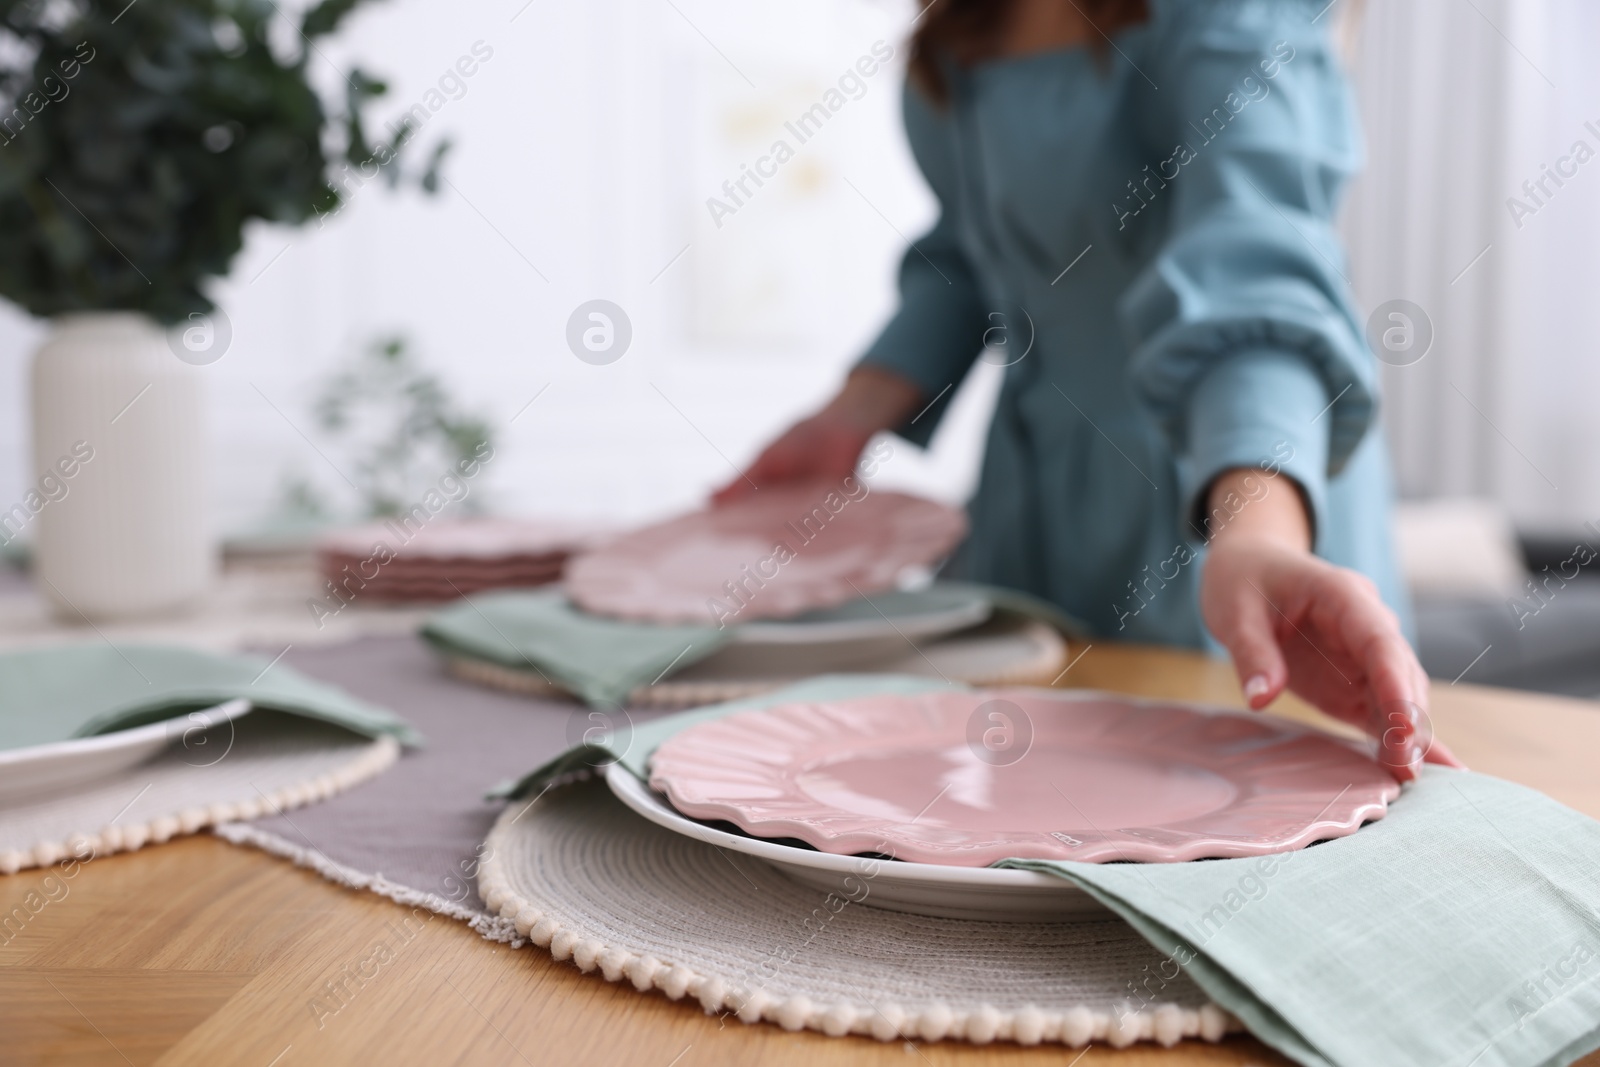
column 228, row 710
column 972, row 610
column 645, row 802
column 1126, row 846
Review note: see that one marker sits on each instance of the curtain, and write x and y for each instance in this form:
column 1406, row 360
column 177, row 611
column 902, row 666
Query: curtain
column 1463, row 102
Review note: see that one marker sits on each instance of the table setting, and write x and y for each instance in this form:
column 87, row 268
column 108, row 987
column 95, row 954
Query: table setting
column 104, row 749
column 723, row 602
column 1294, row 929
column 1176, row 819
column 753, row 564
column 820, row 844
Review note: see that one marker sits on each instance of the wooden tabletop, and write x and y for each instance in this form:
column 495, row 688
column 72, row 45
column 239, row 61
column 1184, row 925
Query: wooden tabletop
column 200, row 952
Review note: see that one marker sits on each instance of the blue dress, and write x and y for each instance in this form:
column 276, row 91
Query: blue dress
column 1145, row 240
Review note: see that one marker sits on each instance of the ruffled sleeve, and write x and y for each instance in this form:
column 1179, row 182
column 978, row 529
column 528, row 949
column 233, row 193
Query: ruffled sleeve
column 1247, row 347
column 938, row 330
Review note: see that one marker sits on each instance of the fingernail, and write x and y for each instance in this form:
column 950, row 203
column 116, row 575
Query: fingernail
column 1256, row 686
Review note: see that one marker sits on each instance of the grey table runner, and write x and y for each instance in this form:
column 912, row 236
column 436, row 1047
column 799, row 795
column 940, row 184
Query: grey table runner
column 420, row 824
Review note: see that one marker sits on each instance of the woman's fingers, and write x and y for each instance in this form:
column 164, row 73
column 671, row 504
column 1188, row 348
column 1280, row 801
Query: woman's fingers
column 1348, row 613
column 815, row 449
column 1291, row 620
column 734, row 490
column 1397, row 686
column 1321, row 674
column 1254, row 646
column 744, row 484
column 1403, row 731
column 779, row 462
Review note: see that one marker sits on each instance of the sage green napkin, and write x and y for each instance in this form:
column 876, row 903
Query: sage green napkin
column 601, row 659
column 623, row 741
column 62, row 692
column 1461, row 930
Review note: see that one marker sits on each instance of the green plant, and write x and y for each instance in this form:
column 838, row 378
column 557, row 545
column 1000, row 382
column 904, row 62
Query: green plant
column 138, row 139
column 396, row 428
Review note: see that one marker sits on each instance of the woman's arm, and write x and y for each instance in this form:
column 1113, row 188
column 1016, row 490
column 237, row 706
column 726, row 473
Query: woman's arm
column 1293, row 621
column 922, row 352
column 1250, row 355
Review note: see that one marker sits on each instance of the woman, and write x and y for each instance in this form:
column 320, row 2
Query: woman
column 1136, row 205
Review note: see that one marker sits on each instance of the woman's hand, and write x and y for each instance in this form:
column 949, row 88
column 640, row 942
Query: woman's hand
column 826, row 446
column 1293, row 621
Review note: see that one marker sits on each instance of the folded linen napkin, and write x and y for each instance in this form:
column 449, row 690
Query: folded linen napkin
column 1462, row 930
column 601, row 659
column 62, row 692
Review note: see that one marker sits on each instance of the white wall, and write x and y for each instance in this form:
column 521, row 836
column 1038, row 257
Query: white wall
column 586, row 147
column 591, row 139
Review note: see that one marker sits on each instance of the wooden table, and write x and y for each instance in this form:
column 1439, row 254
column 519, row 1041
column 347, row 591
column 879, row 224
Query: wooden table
column 198, row 952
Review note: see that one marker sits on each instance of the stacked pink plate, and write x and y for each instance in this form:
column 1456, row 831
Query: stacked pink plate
column 773, row 555
column 400, row 560
column 951, row 781
column 977, row 776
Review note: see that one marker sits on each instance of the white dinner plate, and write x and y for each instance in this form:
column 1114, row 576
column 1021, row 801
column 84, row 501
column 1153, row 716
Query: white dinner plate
column 58, row 765
column 989, row 893
column 893, row 615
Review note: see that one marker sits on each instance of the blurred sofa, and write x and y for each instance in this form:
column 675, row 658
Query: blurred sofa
column 1494, row 608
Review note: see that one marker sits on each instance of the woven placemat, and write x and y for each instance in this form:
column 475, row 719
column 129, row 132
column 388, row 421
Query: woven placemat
column 261, row 764
column 417, row 835
column 581, row 875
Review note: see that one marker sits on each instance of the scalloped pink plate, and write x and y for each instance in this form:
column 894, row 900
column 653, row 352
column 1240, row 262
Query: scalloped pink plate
column 771, row 555
column 970, row 778
column 475, row 539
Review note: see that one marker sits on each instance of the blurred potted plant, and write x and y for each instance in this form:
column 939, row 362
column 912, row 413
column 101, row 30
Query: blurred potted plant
column 136, row 142
column 394, row 426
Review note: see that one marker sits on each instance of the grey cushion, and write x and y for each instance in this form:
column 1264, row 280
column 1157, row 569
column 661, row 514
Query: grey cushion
column 1556, row 650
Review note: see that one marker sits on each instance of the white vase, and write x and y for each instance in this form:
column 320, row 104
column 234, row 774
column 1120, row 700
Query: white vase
column 119, row 470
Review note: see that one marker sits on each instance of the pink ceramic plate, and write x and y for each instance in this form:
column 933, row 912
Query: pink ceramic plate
column 475, row 539
column 973, row 777
column 773, row 554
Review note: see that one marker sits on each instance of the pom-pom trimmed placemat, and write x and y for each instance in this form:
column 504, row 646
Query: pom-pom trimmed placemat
column 263, row 763
column 581, row 875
